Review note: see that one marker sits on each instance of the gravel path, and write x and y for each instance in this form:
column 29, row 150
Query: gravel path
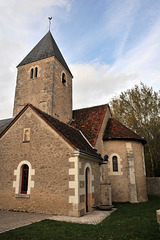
column 94, row 217
column 11, row 220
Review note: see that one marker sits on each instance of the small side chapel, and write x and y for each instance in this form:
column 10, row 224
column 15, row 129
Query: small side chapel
column 62, row 161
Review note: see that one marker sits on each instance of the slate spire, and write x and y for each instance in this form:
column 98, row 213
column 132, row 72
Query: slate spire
column 46, row 48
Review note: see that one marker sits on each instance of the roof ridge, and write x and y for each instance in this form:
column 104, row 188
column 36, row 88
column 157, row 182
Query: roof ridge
column 125, row 126
column 45, row 48
column 120, row 132
column 86, row 139
column 102, row 122
column 92, row 107
column 60, row 133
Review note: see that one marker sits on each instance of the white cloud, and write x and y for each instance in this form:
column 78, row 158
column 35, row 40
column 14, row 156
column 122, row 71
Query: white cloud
column 20, row 21
column 143, row 59
column 94, row 84
column 119, row 15
column 25, row 21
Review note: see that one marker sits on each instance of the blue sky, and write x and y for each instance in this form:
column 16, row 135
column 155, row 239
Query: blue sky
column 109, row 45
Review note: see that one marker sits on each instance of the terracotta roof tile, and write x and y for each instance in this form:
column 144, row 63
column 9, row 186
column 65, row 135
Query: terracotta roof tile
column 116, row 130
column 89, row 121
column 70, row 134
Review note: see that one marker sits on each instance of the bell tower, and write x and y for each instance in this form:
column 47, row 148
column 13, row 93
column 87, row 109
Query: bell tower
column 45, row 81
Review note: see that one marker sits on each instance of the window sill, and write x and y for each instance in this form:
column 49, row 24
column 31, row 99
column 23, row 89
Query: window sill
column 22, row 196
column 115, row 173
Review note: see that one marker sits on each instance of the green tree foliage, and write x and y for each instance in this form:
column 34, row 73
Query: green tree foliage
column 139, row 109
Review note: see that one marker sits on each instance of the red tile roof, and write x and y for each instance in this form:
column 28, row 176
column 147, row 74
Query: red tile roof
column 89, row 121
column 116, row 130
column 70, row 134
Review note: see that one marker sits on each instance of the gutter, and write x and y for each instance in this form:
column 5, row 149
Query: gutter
column 77, row 151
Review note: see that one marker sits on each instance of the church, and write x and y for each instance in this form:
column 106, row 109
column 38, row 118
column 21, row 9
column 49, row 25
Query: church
column 61, row 161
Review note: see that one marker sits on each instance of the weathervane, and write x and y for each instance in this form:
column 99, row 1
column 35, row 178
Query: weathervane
column 49, row 18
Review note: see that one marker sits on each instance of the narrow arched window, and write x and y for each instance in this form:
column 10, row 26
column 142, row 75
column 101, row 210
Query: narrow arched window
column 31, row 73
column 115, row 164
column 63, row 78
column 36, row 72
column 24, row 179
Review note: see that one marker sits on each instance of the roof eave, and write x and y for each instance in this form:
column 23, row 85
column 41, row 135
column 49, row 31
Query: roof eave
column 143, row 141
column 99, row 158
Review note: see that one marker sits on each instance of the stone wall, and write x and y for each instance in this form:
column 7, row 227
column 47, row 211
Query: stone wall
column 129, row 182
column 77, row 184
column 47, row 154
column 46, row 91
column 153, row 185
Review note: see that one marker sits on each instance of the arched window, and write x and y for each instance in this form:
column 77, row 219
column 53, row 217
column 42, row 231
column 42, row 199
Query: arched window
column 23, row 183
column 31, row 73
column 27, row 136
column 24, row 180
column 63, row 78
column 115, row 163
column 36, row 72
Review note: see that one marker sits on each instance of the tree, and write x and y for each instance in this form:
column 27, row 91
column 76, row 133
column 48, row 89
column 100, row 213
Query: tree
column 139, row 109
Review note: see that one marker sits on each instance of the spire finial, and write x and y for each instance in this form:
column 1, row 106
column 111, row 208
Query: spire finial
column 49, row 18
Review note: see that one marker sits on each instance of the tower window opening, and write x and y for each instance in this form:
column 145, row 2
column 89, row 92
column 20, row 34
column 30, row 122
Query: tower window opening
column 36, row 72
column 31, row 73
column 63, row 78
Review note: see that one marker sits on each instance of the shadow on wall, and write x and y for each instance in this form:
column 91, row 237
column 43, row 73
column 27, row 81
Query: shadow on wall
column 153, row 185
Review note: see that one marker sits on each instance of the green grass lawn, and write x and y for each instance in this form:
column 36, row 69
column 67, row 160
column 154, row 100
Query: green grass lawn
column 129, row 222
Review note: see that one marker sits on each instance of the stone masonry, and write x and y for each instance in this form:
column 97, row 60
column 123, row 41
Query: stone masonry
column 46, row 91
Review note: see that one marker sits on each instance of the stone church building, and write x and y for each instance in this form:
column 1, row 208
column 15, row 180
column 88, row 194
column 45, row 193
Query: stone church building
column 62, row 161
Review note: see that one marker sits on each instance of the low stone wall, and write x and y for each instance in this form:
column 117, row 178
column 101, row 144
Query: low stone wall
column 153, row 185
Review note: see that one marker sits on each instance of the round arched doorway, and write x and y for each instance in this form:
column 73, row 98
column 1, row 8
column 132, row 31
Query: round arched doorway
column 88, row 193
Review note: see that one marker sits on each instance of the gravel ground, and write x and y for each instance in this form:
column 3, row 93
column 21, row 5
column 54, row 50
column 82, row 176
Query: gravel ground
column 94, row 217
column 11, row 220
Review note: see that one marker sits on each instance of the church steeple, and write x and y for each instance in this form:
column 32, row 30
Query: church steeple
column 46, row 48
column 44, row 80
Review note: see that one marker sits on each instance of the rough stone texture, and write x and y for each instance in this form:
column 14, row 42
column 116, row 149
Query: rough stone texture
column 106, row 197
column 46, row 92
column 51, row 177
column 153, row 186
column 140, row 172
column 131, row 174
column 120, row 183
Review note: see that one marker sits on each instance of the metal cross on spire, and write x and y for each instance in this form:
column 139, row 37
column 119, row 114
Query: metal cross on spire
column 49, row 18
